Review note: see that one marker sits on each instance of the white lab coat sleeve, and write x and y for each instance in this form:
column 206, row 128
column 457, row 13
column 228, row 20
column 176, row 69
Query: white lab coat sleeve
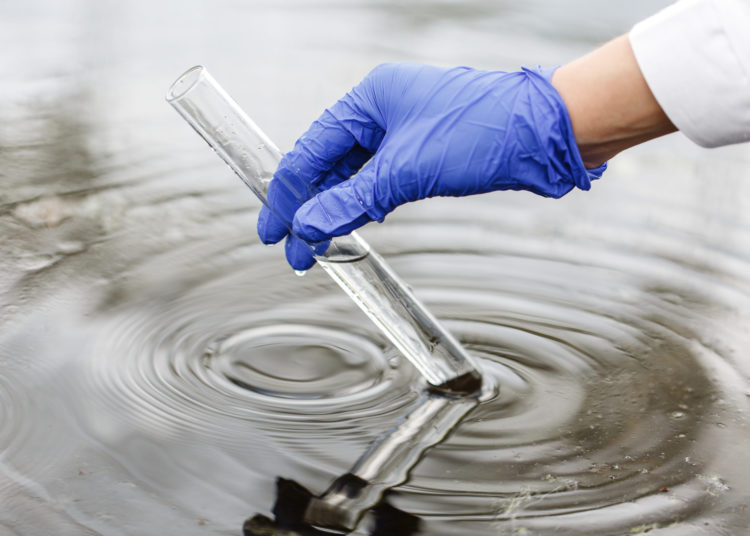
column 695, row 57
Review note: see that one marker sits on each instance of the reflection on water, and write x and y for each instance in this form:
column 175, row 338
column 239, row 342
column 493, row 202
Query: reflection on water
column 159, row 368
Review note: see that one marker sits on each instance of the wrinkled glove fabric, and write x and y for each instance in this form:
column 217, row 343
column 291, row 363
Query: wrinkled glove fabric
column 411, row 131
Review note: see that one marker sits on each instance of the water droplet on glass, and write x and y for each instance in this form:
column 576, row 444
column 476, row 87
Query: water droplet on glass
column 677, row 415
column 300, row 273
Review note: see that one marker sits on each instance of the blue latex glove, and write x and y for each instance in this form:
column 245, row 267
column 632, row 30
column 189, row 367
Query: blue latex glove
column 411, row 131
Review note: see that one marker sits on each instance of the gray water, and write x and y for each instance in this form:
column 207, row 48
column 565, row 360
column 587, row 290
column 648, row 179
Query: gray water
column 159, row 368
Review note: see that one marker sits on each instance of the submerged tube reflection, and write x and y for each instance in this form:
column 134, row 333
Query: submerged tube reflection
column 384, row 465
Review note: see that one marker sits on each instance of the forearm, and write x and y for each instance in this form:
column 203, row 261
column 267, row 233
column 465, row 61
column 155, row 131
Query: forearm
column 610, row 105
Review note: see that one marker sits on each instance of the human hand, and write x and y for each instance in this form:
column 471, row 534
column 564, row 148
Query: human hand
column 411, row 131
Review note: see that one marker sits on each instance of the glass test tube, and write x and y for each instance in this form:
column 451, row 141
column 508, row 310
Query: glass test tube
column 362, row 273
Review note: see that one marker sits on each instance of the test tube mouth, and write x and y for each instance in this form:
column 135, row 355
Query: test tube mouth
column 185, row 82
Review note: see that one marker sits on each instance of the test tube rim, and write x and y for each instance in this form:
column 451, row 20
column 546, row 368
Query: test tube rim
column 176, row 92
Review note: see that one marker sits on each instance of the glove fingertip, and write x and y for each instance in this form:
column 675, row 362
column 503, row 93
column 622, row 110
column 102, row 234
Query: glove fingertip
column 298, row 254
column 315, row 224
column 309, row 222
column 270, row 228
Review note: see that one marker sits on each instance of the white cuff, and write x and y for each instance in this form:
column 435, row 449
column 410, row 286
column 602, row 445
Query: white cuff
column 695, row 57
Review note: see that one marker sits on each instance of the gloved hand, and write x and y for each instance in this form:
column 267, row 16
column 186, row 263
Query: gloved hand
column 411, row 131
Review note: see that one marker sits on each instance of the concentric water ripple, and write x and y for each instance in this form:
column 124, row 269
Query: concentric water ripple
column 231, row 354
column 159, row 369
column 615, row 415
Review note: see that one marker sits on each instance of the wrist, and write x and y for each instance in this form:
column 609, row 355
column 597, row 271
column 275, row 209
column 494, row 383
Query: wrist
column 611, row 107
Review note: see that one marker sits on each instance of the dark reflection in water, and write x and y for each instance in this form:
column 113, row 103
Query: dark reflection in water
column 159, row 369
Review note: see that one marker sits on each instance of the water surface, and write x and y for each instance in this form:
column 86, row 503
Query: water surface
column 159, row 368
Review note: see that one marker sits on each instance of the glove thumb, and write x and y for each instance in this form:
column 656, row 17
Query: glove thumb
column 342, row 208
